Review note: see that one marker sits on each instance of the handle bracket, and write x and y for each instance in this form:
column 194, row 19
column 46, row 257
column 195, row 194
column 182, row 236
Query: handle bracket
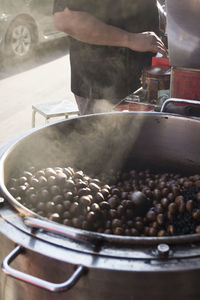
column 35, row 281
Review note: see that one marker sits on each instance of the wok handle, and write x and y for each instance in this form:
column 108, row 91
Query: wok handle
column 189, row 108
column 50, row 286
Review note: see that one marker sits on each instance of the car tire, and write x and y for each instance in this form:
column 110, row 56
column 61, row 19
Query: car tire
column 20, row 40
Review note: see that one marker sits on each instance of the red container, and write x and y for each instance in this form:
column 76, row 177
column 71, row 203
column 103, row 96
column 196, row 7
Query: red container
column 160, row 61
column 185, row 83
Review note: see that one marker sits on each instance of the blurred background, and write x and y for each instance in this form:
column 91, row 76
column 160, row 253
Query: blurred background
column 34, row 63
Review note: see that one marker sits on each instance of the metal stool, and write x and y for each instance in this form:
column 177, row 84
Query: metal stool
column 54, row 109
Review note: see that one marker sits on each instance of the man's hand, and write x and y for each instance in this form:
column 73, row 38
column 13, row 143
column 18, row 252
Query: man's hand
column 146, row 42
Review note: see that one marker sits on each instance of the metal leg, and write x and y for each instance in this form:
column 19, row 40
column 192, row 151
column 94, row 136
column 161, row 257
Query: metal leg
column 33, row 117
column 47, row 120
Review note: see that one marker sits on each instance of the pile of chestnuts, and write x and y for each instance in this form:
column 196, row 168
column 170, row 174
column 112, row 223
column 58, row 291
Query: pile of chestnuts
column 129, row 203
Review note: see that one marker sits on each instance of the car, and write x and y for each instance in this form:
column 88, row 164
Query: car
column 25, row 24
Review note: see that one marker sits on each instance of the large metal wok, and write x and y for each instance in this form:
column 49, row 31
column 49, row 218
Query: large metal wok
column 131, row 267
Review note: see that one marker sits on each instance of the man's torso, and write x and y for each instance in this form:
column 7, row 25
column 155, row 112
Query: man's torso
column 110, row 72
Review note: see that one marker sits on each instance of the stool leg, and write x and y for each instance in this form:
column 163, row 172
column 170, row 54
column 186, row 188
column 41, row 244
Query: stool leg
column 33, row 118
column 47, row 120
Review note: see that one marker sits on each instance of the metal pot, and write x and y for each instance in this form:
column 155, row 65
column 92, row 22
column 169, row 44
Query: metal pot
column 107, row 267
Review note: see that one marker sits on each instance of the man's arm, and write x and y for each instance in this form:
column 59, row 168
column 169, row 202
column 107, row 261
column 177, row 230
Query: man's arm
column 87, row 28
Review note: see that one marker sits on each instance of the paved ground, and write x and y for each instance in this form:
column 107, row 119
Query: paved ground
column 46, row 77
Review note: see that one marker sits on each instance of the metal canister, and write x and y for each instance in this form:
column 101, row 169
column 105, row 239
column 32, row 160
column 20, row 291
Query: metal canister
column 156, row 82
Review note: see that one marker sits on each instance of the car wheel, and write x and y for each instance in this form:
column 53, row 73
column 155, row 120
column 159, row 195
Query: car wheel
column 20, row 40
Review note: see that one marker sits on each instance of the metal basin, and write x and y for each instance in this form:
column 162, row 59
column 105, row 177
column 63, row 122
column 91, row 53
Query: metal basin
column 135, row 268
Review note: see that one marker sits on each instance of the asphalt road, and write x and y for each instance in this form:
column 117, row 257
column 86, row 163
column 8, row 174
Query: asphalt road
column 44, row 78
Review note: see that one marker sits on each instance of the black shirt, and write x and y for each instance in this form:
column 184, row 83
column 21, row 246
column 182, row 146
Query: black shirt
column 104, row 72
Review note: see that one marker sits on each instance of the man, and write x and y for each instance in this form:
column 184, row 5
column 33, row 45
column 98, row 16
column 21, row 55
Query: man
column 111, row 41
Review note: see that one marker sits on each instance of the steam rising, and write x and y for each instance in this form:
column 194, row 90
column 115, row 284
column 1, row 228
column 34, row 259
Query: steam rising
column 97, row 143
column 93, row 143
